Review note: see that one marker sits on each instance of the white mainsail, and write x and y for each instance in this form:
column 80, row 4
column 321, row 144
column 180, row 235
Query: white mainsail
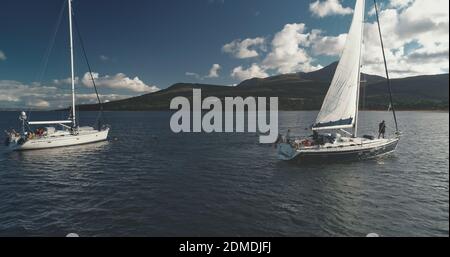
column 340, row 107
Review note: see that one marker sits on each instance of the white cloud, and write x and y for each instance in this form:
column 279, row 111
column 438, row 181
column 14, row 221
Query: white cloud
column 288, row 53
column 193, row 74
column 92, row 98
column 246, row 48
column 372, row 11
column 415, row 34
column 15, row 94
column 104, row 58
column 118, row 81
column 2, row 56
column 66, row 81
column 415, row 37
column 254, row 71
column 38, row 103
column 326, row 45
column 328, row 7
column 13, row 91
column 214, row 71
column 400, row 3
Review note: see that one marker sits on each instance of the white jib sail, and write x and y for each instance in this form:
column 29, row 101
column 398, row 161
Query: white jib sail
column 339, row 109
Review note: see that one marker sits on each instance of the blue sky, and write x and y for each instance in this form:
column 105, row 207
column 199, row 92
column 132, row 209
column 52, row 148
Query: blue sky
column 163, row 42
column 156, row 40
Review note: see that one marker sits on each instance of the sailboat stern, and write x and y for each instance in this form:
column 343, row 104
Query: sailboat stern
column 286, row 152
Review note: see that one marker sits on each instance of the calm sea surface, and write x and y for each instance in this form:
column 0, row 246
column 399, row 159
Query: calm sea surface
column 147, row 181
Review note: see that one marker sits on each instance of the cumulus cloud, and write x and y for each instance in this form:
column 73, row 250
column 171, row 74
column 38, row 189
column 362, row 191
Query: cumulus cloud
column 14, row 91
column 415, row 37
column 118, row 81
column 15, row 94
column 38, row 103
column 291, row 50
column 214, row 71
column 415, row 34
column 288, row 53
column 326, row 45
column 254, row 71
column 2, row 56
column 328, row 7
column 400, row 3
column 246, row 48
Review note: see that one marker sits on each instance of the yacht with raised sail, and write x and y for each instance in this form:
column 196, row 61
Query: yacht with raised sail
column 70, row 133
column 339, row 112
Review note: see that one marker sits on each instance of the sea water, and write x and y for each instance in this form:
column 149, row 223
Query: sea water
column 147, row 181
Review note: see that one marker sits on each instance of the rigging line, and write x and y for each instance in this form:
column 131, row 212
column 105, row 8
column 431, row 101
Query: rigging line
column 87, row 61
column 364, row 95
column 48, row 50
column 385, row 66
column 51, row 44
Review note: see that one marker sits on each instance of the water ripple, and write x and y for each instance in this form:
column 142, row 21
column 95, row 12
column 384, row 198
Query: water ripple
column 147, row 181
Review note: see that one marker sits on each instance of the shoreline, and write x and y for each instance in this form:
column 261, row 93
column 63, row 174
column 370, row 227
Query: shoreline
column 372, row 110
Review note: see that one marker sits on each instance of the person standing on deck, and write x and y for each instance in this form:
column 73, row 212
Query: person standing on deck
column 381, row 129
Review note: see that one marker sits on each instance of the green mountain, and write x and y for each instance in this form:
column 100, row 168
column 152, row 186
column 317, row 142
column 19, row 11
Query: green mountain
column 304, row 91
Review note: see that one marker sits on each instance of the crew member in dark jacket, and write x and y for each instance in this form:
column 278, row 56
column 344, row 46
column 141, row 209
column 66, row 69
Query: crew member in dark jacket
column 381, row 129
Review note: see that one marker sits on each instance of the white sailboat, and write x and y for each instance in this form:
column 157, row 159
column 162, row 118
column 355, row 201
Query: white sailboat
column 340, row 108
column 70, row 133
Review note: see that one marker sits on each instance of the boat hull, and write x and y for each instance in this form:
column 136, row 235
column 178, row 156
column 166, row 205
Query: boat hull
column 84, row 137
column 354, row 153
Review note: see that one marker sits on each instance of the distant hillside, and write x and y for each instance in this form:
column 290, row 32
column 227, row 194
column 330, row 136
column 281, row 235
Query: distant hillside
column 323, row 75
column 326, row 75
column 418, row 93
column 304, row 91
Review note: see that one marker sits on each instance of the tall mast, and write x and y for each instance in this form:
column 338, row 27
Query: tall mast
column 355, row 129
column 71, row 64
column 385, row 67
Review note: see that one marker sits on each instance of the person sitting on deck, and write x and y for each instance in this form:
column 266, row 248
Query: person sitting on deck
column 315, row 135
column 381, row 129
column 39, row 132
column 15, row 133
column 288, row 136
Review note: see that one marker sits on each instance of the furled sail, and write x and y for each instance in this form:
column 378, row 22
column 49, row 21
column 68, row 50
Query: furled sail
column 340, row 107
